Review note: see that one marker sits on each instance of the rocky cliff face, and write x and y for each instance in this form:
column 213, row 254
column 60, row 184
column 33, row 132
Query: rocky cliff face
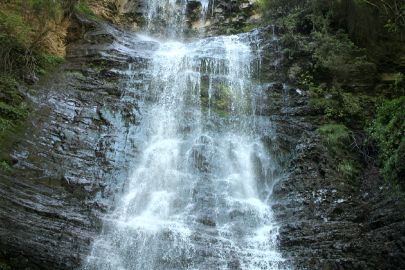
column 75, row 156
column 221, row 16
column 327, row 221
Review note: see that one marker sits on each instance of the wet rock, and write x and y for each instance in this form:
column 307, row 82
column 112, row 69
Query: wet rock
column 326, row 222
column 208, row 221
column 73, row 157
column 202, row 154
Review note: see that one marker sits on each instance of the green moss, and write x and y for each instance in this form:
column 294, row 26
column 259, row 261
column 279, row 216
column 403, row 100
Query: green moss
column 83, row 8
column 339, row 105
column 221, row 97
column 76, row 74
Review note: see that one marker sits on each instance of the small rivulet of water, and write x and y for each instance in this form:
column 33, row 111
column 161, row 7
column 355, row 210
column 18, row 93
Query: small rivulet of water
column 199, row 195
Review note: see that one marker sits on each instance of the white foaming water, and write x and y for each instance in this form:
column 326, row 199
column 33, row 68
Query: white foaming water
column 166, row 17
column 193, row 200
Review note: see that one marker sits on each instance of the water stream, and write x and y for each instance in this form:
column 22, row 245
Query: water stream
column 199, row 195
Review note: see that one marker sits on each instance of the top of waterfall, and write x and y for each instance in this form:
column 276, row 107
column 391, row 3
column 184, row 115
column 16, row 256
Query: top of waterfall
column 204, row 4
column 169, row 18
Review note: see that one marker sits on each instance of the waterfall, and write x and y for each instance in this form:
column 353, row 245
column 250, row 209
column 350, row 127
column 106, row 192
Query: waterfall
column 199, row 195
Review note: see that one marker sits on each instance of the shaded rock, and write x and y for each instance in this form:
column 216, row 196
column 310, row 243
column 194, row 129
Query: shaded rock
column 74, row 157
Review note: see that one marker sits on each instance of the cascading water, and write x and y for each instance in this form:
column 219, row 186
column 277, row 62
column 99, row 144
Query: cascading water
column 198, row 197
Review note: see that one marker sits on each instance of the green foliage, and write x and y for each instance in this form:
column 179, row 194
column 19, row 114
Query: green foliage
column 5, row 167
column 398, row 85
column 221, row 97
column 8, row 90
column 12, row 112
column 348, row 168
column 338, row 57
column 83, row 8
column 337, row 138
column 248, row 27
column 48, row 61
column 334, row 135
column 13, row 109
column 348, row 54
column 14, row 41
column 24, row 25
column 12, row 25
column 334, row 104
column 46, row 9
column 362, row 19
column 388, row 131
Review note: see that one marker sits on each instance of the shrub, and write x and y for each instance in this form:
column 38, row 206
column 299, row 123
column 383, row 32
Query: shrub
column 13, row 109
column 83, row 8
column 8, row 90
column 348, row 169
column 5, row 167
column 388, row 132
column 337, row 138
column 334, row 135
column 337, row 105
column 24, row 26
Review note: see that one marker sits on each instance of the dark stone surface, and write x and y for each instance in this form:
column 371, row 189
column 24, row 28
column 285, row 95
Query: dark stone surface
column 326, row 221
column 330, row 223
column 75, row 155
column 73, row 158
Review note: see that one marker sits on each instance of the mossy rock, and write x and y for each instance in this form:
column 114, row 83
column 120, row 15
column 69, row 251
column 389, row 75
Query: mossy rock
column 221, row 98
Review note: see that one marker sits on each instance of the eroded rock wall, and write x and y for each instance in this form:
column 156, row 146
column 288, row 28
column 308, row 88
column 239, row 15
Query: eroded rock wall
column 327, row 221
column 74, row 156
column 220, row 16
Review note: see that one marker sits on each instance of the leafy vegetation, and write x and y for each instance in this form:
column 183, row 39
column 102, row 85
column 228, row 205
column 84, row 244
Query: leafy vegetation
column 25, row 29
column 337, row 138
column 13, row 112
column 13, row 108
column 335, row 135
column 388, row 132
column 82, row 7
column 349, row 56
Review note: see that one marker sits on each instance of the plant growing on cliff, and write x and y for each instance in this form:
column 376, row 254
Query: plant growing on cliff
column 388, row 132
column 337, row 138
column 83, row 7
column 24, row 27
